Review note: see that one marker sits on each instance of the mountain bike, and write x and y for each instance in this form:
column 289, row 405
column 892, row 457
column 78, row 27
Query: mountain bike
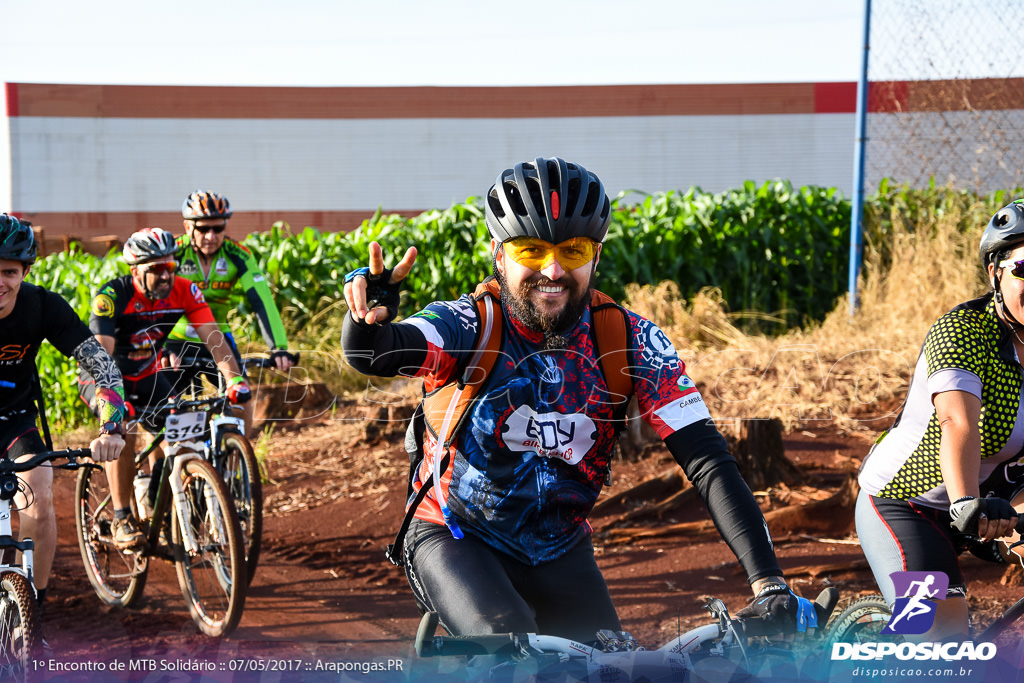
column 192, row 523
column 864, row 619
column 232, row 454
column 615, row 655
column 20, row 635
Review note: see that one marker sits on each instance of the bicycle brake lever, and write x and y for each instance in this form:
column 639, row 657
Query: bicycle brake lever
column 728, row 628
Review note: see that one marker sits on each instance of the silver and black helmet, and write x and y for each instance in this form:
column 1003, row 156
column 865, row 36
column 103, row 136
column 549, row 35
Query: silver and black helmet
column 547, row 198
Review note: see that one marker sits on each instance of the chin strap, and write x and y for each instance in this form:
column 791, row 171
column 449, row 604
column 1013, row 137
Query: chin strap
column 1011, row 321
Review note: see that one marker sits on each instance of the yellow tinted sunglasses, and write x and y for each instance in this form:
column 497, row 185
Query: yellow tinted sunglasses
column 538, row 254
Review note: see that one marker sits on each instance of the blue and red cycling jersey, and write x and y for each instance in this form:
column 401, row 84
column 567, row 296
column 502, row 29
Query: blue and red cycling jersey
column 535, row 450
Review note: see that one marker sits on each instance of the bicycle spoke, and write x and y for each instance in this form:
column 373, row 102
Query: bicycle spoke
column 238, row 467
column 212, row 577
column 118, row 577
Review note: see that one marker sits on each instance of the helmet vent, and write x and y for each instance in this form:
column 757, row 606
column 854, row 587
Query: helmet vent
column 593, row 195
column 536, row 195
column 494, row 204
column 515, row 199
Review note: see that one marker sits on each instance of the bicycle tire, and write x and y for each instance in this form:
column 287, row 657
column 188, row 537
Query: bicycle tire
column 862, row 621
column 20, row 632
column 117, row 577
column 1003, row 623
column 213, row 580
column 236, row 461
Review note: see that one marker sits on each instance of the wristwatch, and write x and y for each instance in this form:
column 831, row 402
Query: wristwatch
column 111, row 427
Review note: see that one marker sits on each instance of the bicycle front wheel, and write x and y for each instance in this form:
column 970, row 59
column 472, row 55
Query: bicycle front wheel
column 862, row 621
column 237, row 464
column 117, row 576
column 20, row 636
column 212, row 578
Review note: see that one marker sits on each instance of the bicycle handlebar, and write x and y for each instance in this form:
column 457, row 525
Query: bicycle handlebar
column 251, row 362
column 175, row 404
column 507, row 644
column 72, row 455
column 429, row 645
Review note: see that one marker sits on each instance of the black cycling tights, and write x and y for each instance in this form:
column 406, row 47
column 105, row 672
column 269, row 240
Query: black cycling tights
column 477, row 590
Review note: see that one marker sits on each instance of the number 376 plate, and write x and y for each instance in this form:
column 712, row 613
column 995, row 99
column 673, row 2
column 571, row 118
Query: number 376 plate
column 185, row 426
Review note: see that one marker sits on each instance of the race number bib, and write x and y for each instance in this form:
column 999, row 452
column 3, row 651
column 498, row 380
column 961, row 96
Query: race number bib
column 185, row 426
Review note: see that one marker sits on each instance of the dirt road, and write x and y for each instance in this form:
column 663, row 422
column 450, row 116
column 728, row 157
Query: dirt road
column 325, row 600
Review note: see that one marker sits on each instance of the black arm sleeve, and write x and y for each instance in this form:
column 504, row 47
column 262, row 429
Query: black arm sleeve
column 383, row 350
column 702, row 452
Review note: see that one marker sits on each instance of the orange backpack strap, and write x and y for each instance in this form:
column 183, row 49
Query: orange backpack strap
column 611, row 333
column 445, row 408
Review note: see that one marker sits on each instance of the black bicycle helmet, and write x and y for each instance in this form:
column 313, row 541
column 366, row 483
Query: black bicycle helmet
column 202, row 204
column 547, row 198
column 149, row 244
column 1004, row 230
column 17, row 241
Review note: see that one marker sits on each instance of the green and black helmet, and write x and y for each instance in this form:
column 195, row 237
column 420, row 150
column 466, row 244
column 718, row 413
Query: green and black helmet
column 17, row 241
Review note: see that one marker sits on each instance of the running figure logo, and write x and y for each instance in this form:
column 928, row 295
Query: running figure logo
column 914, row 613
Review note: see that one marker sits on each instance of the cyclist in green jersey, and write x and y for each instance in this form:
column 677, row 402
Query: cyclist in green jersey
column 224, row 271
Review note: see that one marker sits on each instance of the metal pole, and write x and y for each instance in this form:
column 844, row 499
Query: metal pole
column 857, row 216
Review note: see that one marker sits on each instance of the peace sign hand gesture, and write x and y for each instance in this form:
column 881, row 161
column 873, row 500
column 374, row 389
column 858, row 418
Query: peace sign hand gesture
column 372, row 293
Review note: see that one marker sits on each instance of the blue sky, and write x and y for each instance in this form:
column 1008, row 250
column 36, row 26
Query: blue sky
column 429, row 42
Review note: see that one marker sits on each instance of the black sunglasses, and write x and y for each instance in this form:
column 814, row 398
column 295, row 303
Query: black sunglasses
column 219, row 228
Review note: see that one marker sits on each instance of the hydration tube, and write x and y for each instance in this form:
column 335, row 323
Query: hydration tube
column 439, row 448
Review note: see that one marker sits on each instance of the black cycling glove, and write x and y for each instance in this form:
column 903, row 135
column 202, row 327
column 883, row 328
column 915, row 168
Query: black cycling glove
column 379, row 291
column 281, row 353
column 776, row 609
column 966, row 512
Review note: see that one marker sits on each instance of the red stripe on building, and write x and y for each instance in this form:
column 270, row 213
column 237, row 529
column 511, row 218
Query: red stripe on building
column 12, row 98
column 835, row 98
column 187, row 102
column 181, row 102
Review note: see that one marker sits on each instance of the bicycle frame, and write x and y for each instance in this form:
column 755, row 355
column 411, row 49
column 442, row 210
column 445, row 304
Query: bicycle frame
column 170, row 487
column 9, row 486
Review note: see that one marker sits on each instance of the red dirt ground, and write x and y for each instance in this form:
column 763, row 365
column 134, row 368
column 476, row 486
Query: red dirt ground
column 324, row 592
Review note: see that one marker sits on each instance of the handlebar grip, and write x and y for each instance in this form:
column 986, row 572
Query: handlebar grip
column 446, row 646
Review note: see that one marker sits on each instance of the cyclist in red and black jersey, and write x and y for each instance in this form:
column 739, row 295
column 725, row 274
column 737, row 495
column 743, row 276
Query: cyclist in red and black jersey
column 28, row 315
column 131, row 317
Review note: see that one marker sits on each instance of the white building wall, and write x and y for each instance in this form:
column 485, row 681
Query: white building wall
column 79, row 164
column 6, row 160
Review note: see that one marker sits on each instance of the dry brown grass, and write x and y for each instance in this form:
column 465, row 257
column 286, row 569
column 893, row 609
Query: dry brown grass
column 851, row 370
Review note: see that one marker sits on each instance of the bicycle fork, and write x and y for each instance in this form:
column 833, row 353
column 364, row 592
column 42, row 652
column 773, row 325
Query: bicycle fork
column 7, row 541
column 184, row 512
